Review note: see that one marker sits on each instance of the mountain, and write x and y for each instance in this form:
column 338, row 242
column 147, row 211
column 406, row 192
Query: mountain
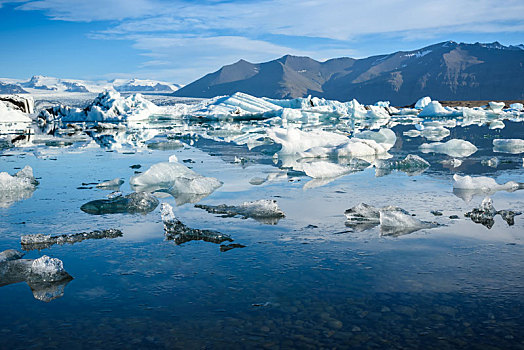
column 142, row 85
column 444, row 71
column 41, row 82
column 8, row 88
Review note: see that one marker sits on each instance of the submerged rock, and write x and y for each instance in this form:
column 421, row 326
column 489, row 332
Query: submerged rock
column 136, row 202
column 45, row 276
column 264, row 210
column 175, row 230
column 41, row 241
column 226, row 247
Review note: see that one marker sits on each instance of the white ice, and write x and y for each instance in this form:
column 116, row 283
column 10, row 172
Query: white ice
column 453, row 148
column 513, row 146
column 423, row 102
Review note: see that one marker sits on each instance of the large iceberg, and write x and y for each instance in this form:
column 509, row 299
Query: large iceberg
column 16, row 187
column 453, row 148
column 136, row 202
column 11, row 115
column 237, row 105
column 264, row 210
column 108, row 106
column 176, row 179
column 175, row 230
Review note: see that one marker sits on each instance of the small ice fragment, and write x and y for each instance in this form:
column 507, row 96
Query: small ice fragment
column 323, row 170
column 115, row 183
column 173, row 159
column 136, row 202
column 264, row 210
column 453, row 148
column 16, row 187
column 411, row 165
column 454, row 163
column 175, row 230
column 492, row 162
column 466, row 187
column 513, row 146
column 486, row 213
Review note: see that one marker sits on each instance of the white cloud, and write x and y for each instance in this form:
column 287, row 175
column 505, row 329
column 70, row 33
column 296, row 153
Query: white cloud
column 199, row 37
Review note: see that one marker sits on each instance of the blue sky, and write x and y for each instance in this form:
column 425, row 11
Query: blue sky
column 179, row 41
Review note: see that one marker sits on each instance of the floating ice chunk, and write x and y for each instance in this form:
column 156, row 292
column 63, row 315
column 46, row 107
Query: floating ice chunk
column 136, row 202
column 362, row 148
column 434, row 109
column 25, row 104
column 10, row 254
column 264, row 210
column 496, row 106
column 175, row 230
column 46, row 276
column 385, row 137
column 454, row 163
column 492, row 162
column 423, row 102
column 466, row 187
column 172, row 159
column 411, row 165
column 513, row 146
column 453, row 148
column 396, row 223
column 517, row 106
column 10, row 115
column 111, row 184
column 41, row 241
column 237, row 105
column 486, row 213
column 176, row 178
column 393, row 220
column 294, row 140
column 16, row 187
column 497, row 124
column 323, row 169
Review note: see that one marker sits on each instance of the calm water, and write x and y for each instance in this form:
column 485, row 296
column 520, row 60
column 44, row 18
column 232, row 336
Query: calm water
column 308, row 281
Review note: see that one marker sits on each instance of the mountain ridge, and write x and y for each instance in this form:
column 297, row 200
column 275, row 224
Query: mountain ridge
column 445, row 71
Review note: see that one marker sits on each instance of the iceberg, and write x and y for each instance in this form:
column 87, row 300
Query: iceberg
column 453, row 148
column 432, row 133
column 136, row 202
column 517, row 106
column 176, row 179
column 294, row 141
column 41, row 241
column 466, row 187
column 108, row 106
column 434, row 109
column 324, row 170
column 45, row 276
column 176, row 231
column 423, row 102
column 235, row 106
column 24, row 104
column 16, row 187
column 496, row 106
column 11, row 115
column 265, row 211
column 513, row 146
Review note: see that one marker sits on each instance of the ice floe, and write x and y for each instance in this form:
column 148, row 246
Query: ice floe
column 111, row 184
column 453, row 148
column 16, row 187
column 264, row 210
column 136, row 202
column 176, row 231
column 41, row 241
column 412, row 165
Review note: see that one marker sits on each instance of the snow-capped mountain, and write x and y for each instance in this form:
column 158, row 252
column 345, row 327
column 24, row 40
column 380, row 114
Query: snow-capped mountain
column 137, row 85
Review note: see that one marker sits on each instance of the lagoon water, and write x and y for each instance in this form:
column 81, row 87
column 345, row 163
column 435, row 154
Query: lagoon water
column 305, row 281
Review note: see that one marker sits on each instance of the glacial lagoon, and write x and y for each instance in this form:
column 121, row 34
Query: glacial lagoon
column 309, row 279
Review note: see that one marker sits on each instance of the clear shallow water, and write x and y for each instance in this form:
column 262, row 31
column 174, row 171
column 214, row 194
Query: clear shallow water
column 308, row 282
